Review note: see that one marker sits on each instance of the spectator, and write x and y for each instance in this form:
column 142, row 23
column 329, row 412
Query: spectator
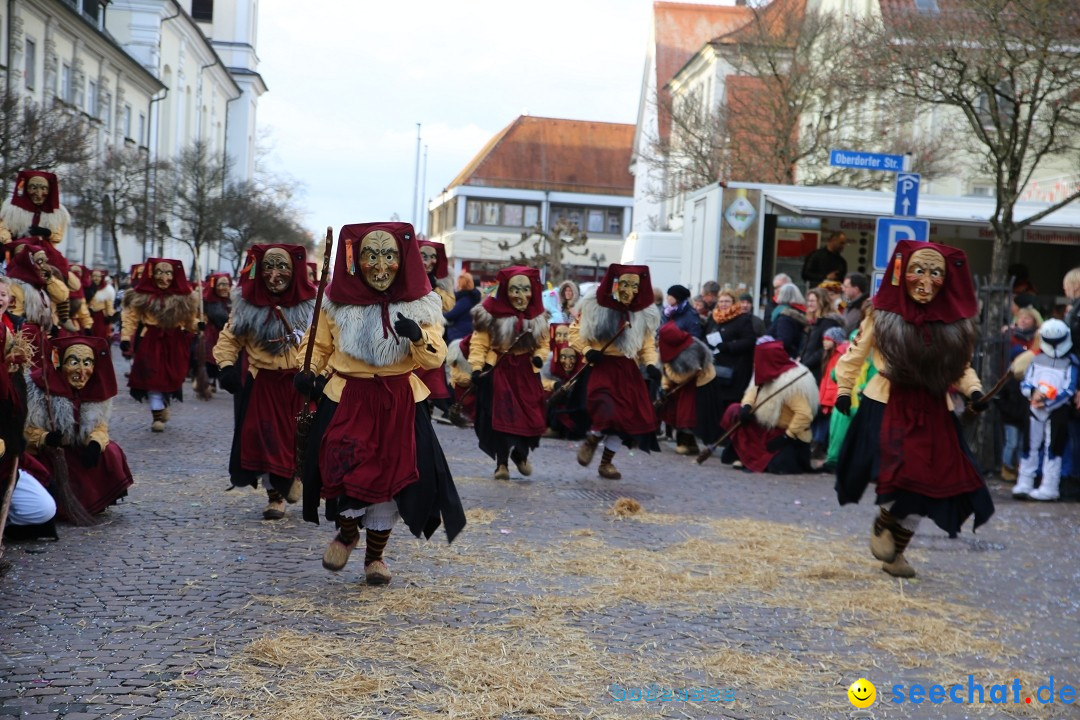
column 826, row 263
column 568, row 298
column 834, row 344
column 459, row 317
column 709, row 292
column 680, row 312
column 746, row 304
column 856, row 292
column 778, row 282
column 835, row 289
column 789, row 320
column 699, row 306
column 821, row 319
column 658, row 298
column 1011, row 402
column 730, row 335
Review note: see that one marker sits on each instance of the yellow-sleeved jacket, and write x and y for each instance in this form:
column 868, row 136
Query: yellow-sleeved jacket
column 133, row 315
column 54, row 288
column 228, row 348
column 849, row 365
column 796, row 413
column 82, row 317
column 481, row 353
column 648, row 355
column 447, row 298
column 328, row 359
column 672, row 379
column 35, row 436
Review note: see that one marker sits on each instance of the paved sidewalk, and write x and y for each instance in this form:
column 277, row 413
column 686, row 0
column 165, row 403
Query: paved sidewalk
column 185, row 603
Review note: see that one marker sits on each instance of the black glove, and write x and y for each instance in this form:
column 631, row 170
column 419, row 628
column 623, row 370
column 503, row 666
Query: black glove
column 53, row 439
column 229, row 379
column 776, row 443
column 537, row 362
column 38, row 231
column 476, row 375
column 91, row 454
column 652, row 372
column 977, row 403
column 405, row 327
column 304, row 382
column 745, row 413
column 593, row 356
column 843, row 404
column 201, row 326
column 125, row 346
column 87, row 332
column 557, row 386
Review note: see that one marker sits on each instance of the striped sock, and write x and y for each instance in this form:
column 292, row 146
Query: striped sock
column 347, row 530
column 376, row 542
column 607, row 457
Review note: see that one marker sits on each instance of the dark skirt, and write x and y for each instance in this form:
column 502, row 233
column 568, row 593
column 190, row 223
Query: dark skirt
column 210, row 338
column 467, row 400
column 96, row 487
column 619, row 403
column 749, row 445
column 161, row 362
column 435, row 379
column 424, row 505
column 680, row 410
column 101, row 328
column 859, row 465
column 264, row 436
column 710, row 408
column 569, row 417
column 494, row 443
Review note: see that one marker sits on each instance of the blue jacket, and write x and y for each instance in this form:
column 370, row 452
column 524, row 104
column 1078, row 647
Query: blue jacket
column 459, row 318
column 687, row 320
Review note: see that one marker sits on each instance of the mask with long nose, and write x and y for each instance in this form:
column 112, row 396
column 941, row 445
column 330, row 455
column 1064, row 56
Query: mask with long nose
column 380, row 259
column 78, row 366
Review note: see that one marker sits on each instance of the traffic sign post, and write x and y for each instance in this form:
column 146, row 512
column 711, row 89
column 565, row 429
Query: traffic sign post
column 907, row 195
column 891, row 231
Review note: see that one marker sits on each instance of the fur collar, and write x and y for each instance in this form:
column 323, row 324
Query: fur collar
column 360, row 328
column 456, row 358
column 503, row 331
column 599, row 324
column 169, row 311
column 768, row 414
column 37, row 308
column 18, row 221
column 692, row 359
column 91, row 414
column 262, row 327
column 106, row 295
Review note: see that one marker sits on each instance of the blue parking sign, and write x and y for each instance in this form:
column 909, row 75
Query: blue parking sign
column 891, row 231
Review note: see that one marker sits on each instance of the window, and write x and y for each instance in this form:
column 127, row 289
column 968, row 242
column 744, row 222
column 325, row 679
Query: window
column 30, row 70
column 142, row 129
column 614, row 222
column 596, row 221
column 532, row 216
column 203, row 10
column 493, row 212
column 472, row 212
column 65, row 82
column 927, row 7
column 513, row 215
column 982, row 191
column 92, row 99
column 591, row 220
column 1004, row 100
column 127, row 121
column 106, row 110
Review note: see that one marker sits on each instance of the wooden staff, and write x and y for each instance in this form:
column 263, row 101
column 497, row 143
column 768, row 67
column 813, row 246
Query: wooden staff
column 5, row 507
column 456, row 413
column 564, row 390
column 202, row 378
column 306, row 417
column 708, row 451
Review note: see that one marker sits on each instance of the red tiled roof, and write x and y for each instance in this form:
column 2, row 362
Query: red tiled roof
column 779, row 19
column 681, row 30
column 537, row 153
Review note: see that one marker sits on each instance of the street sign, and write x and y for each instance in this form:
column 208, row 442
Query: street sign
column 907, row 194
column 891, row 231
column 866, row 161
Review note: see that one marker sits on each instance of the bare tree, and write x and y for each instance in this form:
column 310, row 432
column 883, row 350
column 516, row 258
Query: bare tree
column 786, row 104
column 191, row 199
column 1008, row 69
column 254, row 214
column 548, row 247
column 32, row 136
column 115, row 193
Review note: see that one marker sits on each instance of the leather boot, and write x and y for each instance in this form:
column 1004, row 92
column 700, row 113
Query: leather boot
column 899, row 566
column 159, row 421
column 522, row 462
column 338, row 551
column 588, row 449
column 275, row 507
column 686, row 444
column 502, row 473
column 607, row 469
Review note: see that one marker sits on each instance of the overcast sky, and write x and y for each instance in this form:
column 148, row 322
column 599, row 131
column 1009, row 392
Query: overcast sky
column 348, row 82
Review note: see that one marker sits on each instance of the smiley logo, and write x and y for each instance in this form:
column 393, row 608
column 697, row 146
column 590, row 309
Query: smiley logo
column 862, row 693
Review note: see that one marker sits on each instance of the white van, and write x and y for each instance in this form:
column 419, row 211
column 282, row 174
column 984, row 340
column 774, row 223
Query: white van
column 661, row 251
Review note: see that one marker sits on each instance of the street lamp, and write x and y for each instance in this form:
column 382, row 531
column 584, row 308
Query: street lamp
column 597, row 259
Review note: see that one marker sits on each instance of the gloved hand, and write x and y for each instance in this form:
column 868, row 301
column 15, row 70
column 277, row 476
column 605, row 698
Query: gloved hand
column 653, row 372
column 593, row 356
column 745, row 413
column 557, row 386
column 537, row 362
column 229, row 379
column 303, row 381
column 776, row 443
column 125, row 347
column 38, row 231
column 201, row 326
column 53, row 439
column 977, row 403
column 91, row 454
column 843, row 404
column 406, row 327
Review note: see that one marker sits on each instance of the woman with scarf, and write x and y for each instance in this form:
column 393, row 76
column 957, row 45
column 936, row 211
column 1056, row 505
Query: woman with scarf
column 161, row 314
column 217, row 305
column 372, row 454
column 69, row 400
column 271, row 311
column 36, row 282
column 774, row 419
column 620, row 312
column 679, row 311
column 730, row 335
column 101, row 299
column 508, row 348
column 905, row 436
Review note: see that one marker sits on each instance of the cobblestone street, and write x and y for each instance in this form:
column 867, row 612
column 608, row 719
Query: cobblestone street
column 185, row 603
